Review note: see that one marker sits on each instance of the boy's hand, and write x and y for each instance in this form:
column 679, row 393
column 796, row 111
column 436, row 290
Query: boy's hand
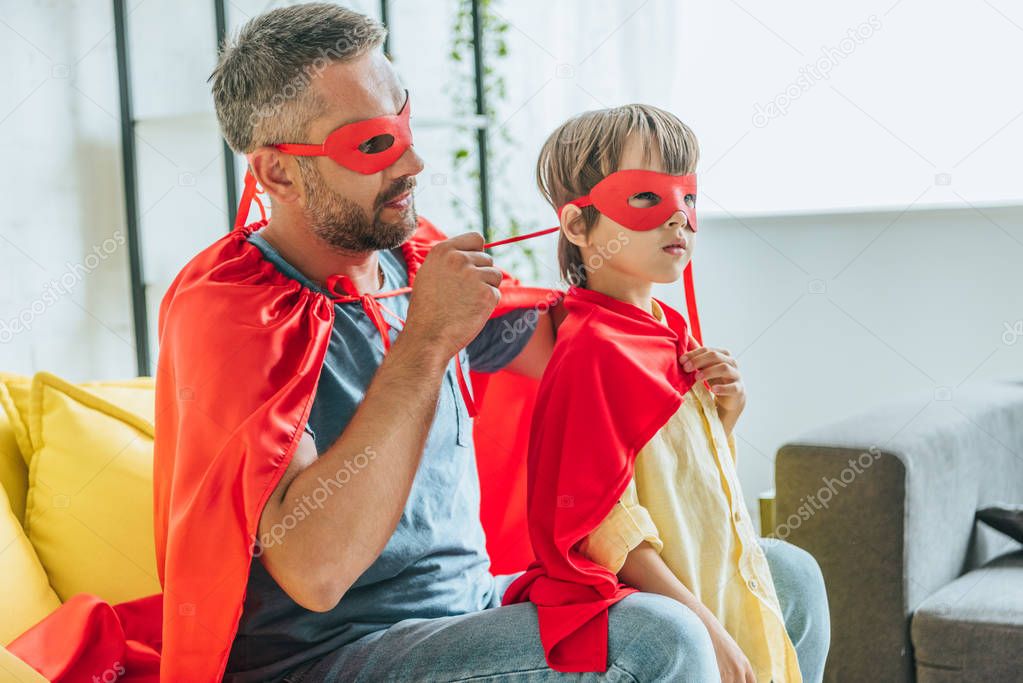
column 722, row 374
column 733, row 664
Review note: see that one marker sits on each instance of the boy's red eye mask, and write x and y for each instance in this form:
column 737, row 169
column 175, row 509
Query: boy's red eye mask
column 642, row 200
column 367, row 146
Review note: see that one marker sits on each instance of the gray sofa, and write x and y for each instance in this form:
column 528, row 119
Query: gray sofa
column 886, row 501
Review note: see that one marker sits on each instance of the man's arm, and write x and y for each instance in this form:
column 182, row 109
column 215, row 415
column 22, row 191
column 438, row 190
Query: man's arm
column 488, row 352
column 532, row 359
column 321, row 535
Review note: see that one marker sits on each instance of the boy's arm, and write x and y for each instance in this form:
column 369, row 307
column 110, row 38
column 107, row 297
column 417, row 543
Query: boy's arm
column 625, row 527
column 645, row 569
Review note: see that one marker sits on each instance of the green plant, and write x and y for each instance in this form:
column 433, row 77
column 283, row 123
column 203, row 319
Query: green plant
column 520, row 258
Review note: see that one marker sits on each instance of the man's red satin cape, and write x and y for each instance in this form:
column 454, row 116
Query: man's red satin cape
column 241, row 348
column 612, row 383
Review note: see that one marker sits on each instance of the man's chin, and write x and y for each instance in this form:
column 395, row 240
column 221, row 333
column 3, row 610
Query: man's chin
column 357, row 234
column 401, row 226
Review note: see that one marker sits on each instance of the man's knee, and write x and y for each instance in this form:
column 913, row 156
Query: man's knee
column 656, row 638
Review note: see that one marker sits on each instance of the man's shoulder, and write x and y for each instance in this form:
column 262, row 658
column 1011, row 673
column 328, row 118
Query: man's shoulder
column 220, row 259
column 229, row 280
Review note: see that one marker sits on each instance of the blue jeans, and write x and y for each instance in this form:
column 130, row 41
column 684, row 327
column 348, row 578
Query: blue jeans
column 651, row 638
column 804, row 604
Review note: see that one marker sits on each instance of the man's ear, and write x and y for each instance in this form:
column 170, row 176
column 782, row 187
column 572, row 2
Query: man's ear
column 573, row 227
column 277, row 174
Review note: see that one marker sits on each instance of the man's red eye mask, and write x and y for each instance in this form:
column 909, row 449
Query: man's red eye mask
column 612, row 195
column 386, row 136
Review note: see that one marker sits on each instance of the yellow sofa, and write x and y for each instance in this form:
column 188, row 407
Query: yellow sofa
column 76, row 498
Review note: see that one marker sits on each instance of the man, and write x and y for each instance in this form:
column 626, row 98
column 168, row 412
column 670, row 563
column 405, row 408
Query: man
column 387, row 576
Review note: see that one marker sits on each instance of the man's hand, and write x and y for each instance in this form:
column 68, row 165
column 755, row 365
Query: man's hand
column 722, row 373
column 453, row 295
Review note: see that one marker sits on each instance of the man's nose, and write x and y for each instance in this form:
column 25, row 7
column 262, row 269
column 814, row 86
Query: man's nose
column 409, row 163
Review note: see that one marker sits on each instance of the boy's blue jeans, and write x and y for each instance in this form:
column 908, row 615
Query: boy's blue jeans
column 651, row 638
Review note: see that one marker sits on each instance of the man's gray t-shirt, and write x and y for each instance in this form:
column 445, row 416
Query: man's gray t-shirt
column 435, row 564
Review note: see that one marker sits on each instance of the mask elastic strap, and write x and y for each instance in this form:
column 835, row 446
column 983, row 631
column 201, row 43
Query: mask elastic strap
column 249, row 194
column 687, row 274
column 519, row 238
column 694, row 319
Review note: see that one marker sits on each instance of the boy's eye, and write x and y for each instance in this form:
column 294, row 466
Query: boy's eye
column 644, row 200
column 377, row 144
column 691, row 201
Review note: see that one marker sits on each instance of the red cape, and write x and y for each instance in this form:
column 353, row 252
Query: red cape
column 612, row 383
column 241, row 348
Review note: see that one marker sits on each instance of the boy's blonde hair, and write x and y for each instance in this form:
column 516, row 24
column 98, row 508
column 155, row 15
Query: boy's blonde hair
column 588, row 147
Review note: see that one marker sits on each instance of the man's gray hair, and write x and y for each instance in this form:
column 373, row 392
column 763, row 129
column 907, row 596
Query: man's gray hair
column 262, row 83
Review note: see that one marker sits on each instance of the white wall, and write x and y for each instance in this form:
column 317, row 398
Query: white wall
column 829, row 315
column 64, row 302
column 864, row 245
column 830, row 309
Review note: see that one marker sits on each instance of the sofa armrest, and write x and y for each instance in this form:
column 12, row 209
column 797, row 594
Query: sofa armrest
column 885, row 501
column 766, row 507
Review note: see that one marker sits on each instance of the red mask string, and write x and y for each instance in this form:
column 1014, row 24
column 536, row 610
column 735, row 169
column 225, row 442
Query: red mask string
column 519, row 238
column 687, row 280
column 375, row 310
column 250, row 194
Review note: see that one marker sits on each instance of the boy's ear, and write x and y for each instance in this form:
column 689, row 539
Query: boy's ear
column 573, row 227
column 276, row 173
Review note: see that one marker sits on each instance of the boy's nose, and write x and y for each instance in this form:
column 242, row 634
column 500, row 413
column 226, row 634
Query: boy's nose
column 678, row 219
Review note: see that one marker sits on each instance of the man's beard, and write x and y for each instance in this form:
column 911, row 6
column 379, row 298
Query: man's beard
column 344, row 225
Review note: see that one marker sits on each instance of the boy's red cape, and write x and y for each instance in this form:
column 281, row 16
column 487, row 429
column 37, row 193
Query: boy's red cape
column 612, row 383
column 241, row 348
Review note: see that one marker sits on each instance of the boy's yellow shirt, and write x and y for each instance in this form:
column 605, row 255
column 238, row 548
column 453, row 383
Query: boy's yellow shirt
column 685, row 500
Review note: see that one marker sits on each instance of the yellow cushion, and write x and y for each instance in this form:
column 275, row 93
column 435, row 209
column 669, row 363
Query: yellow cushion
column 13, row 670
column 134, row 395
column 137, row 396
column 14, row 397
column 13, row 471
column 26, row 596
column 89, row 512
